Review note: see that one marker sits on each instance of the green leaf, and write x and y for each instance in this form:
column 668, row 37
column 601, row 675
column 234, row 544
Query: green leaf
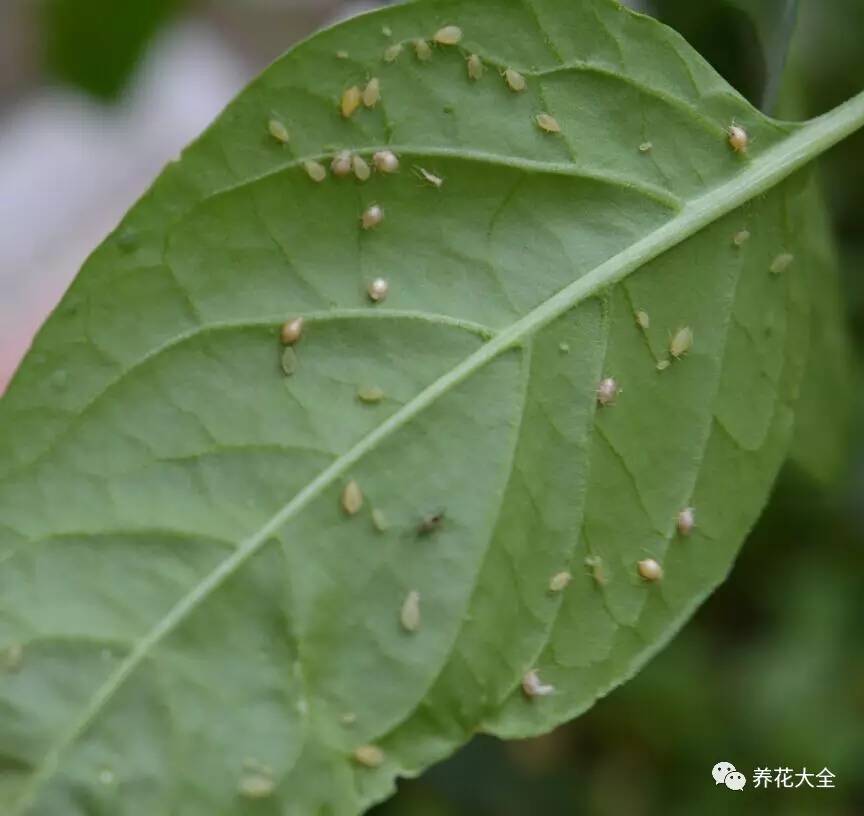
column 199, row 626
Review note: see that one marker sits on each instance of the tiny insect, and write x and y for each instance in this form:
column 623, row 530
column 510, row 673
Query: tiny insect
column 256, row 785
column 643, row 320
column 595, row 566
column 279, row 132
column 547, row 123
column 607, row 391
column 316, row 171
column 564, row 348
column 352, row 498
column 662, row 365
column 560, row 581
column 289, row 361
column 515, row 81
column 372, row 93
column 430, row 178
column 649, row 570
column 378, row 290
column 342, row 164
column 741, row 237
column 361, row 169
column 781, row 263
column 681, row 342
column 533, row 687
column 387, row 31
column 292, row 331
column 351, row 100
column 392, row 53
column 379, row 520
column 422, row 50
column 370, row 756
column 386, row 161
column 342, row 55
column 371, row 395
column 449, row 35
column 349, row 718
column 372, row 218
column 409, row 615
column 431, row 523
column 646, row 147
column 475, row 67
column 12, row 657
column 106, row 776
column 738, row 138
column 686, row 521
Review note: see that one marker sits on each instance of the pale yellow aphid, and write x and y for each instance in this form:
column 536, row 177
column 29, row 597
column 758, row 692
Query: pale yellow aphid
column 349, row 718
column 646, row 147
column 351, row 99
column 515, row 81
column 361, row 168
column 342, row 55
column 289, row 361
column 564, row 348
column 352, row 498
column 386, row 161
column 681, row 342
column 392, row 53
column 387, row 31
column 649, row 569
column 475, row 67
column 342, row 164
column 256, row 785
column 607, row 391
column 372, row 93
column 292, row 331
column 643, row 320
column 370, row 394
column 315, row 170
column 279, row 132
column 449, row 35
column 379, row 520
column 547, row 123
column 422, row 50
column 738, row 138
column 741, row 237
column 662, row 365
column 378, row 290
column 370, row 756
column 409, row 615
column 12, row 657
column 372, row 217
column 560, row 581
column 686, row 521
column 106, row 776
column 595, row 565
column 782, row 262
column 533, row 687
column 430, row 178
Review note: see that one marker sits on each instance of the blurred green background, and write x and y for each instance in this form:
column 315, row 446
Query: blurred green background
column 770, row 672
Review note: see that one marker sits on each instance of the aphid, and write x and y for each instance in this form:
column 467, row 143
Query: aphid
column 372, row 93
column 548, row 123
column 738, row 138
column 431, row 523
column 349, row 718
column 379, row 520
column 741, row 237
column 370, row 394
column 393, row 52
column 643, row 320
column 564, row 348
column 681, row 342
column 595, row 566
column 686, row 521
column 352, row 498
column 430, row 178
column 386, row 161
column 409, row 616
column 256, row 785
column 342, row 55
column 475, row 67
column 378, row 290
column 316, row 171
column 106, row 776
column 372, row 218
column 649, row 570
column 560, row 581
column 12, row 657
column 351, row 100
column 279, row 132
column 387, row 31
column 607, row 391
column 292, row 331
column 422, row 50
column 781, row 263
column 533, row 687
column 370, row 756
column 361, row 168
column 646, row 147
column 289, row 361
column 449, row 35
column 341, row 165
column 515, row 81
column 662, row 365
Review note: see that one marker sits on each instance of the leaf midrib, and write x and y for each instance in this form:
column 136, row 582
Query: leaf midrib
column 776, row 164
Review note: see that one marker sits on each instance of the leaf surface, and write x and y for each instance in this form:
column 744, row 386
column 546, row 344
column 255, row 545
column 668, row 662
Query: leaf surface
column 197, row 625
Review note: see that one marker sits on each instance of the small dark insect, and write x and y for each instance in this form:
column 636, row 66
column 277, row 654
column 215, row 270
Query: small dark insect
column 431, row 523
